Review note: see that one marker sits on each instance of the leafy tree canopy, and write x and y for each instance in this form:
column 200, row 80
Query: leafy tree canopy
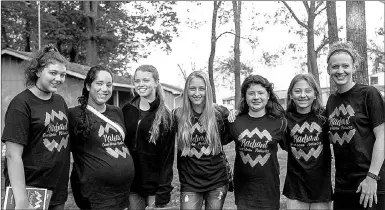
column 124, row 30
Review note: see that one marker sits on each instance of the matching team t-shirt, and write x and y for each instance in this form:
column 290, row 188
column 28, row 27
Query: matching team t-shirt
column 41, row 126
column 308, row 177
column 103, row 168
column 256, row 168
column 351, row 117
column 199, row 169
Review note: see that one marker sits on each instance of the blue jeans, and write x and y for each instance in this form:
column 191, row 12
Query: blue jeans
column 214, row 199
column 138, row 202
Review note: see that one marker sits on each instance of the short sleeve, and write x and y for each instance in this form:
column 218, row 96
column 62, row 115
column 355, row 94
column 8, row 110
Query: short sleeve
column 375, row 107
column 16, row 127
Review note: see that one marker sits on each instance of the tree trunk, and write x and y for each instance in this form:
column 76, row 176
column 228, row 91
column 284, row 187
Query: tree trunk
column 213, row 46
column 73, row 55
column 311, row 54
column 90, row 9
column 356, row 33
column 332, row 32
column 4, row 38
column 237, row 53
column 58, row 45
column 27, row 31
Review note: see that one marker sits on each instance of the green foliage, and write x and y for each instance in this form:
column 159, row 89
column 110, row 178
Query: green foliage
column 376, row 53
column 124, row 30
column 270, row 59
column 13, row 19
column 225, row 71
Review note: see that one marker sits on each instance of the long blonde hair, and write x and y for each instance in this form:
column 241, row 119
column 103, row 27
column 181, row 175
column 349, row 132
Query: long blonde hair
column 208, row 119
column 162, row 116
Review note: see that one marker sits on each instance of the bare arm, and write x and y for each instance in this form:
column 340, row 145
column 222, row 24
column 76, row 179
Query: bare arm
column 16, row 174
column 368, row 187
column 378, row 149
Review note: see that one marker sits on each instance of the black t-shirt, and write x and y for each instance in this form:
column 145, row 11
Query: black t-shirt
column 103, row 168
column 308, row 177
column 41, row 126
column 143, row 114
column 256, row 168
column 351, row 118
column 199, row 169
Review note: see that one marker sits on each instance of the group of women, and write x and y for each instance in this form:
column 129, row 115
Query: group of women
column 123, row 158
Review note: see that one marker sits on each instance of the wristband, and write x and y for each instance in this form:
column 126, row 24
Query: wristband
column 373, row 176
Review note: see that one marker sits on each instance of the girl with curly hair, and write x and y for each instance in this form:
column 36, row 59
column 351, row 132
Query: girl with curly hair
column 36, row 132
column 257, row 131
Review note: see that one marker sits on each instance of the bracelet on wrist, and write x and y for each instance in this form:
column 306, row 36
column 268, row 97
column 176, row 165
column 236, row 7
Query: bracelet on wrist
column 373, row 176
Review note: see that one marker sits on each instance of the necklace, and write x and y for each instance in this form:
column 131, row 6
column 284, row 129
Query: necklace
column 44, row 91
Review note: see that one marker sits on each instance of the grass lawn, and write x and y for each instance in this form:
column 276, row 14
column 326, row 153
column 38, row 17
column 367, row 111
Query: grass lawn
column 229, row 203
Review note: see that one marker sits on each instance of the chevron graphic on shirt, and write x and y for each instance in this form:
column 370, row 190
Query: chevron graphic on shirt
column 53, row 144
column 50, row 117
column 345, row 137
column 259, row 159
column 246, row 132
column 337, row 111
column 115, row 153
column 197, row 127
column 312, row 152
column 194, row 152
column 311, row 128
column 103, row 130
column 39, row 200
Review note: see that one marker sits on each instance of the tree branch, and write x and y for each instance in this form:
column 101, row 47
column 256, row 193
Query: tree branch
column 184, row 73
column 229, row 32
column 294, row 16
column 320, row 11
column 318, row 5
column 306, row 6
column 324, row 42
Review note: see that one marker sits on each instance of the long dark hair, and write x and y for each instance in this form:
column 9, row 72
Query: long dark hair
column 273, row 108
column 49, row 54
column 316, row 107
column 85, row 124
column 162, row 116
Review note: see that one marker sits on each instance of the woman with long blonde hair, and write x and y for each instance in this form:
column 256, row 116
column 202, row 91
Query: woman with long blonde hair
column 150, row 141
column 200, row 129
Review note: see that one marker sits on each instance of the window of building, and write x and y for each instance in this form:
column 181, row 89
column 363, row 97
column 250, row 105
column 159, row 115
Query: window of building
column 374, row 80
